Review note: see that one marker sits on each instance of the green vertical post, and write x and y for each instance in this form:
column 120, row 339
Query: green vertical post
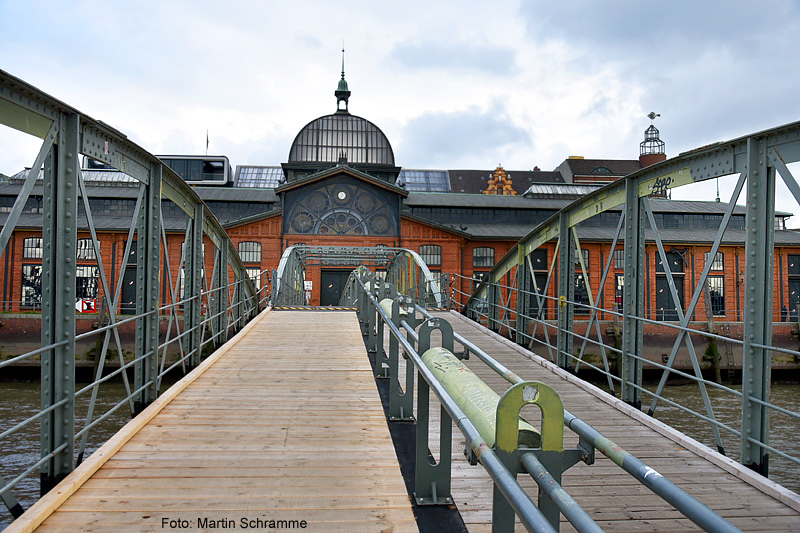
column 566, row 282
column 432, row 481
column 148, row 266
column 401, row 405
column 222, row 295
column 633, row 296
column 237, row 302
column 493, row 305
column 758, row 283
column 551, row 452
column 372, row 319
column 193, row 284
column 381, row 357
column 523, row 298
column 59, row 241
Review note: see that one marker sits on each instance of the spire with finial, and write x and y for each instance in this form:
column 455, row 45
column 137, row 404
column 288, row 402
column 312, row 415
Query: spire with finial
column 652, row 144
column 342, row 93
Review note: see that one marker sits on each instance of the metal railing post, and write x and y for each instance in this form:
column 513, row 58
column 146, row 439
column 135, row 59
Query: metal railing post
column 59, row 239
column 372, row 322
column 223, row 291
column 633, row 296
column 566, row 292
column 192, row 286
column 523, row 298
column 148, row 265
column 758, row 282
column 237, row 302
column 401, row 405
column 492, row 305
column 382, row 369
column 432, row 480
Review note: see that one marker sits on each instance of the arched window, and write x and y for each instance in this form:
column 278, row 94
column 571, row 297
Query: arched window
column 32, row 248
column 250, row 251
column 483, row 257
column 431, row 254
column 86, row 250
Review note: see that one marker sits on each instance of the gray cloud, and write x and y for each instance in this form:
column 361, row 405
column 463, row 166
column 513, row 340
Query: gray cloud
column 491, row 60
column 439, row 139
column 661, row 30
column 713, row 70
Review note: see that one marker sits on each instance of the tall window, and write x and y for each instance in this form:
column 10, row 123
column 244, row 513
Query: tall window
column 483, row 257
column 675, row 260
column 718, row 263
column 619, row 292
column 250, row 252
column 32, row 285
column 581, row 295
column 794, row 285
column 585, row 254
column 431, row 254
column 86, row 250
column 254, row 275
column 619, row 259
column 86, row 281
column 32, row 248
column 716, row 286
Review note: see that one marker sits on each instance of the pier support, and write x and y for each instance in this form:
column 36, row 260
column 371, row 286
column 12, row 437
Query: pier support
column 59, row 241
column 633, row 296
column 759, row 260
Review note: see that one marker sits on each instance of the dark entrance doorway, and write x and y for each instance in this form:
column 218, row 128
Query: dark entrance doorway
column 128, row 304
column 333, row 282
column 541, row 281
column 665, row 305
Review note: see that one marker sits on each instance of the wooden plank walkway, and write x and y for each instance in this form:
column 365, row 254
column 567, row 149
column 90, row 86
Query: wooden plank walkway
column 611, row 496
column 283, row 423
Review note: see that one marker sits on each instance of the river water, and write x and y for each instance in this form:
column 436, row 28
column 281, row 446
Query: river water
column 20, row 400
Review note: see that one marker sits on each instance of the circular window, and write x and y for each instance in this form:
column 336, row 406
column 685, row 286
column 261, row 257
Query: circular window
column 380, row 224
column 302, row 223
column 341, row 195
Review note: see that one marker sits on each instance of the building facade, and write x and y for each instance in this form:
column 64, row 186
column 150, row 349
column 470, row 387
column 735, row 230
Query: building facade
column 341, row 186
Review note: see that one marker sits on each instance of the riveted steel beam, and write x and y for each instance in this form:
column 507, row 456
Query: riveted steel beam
column 524, row 277
column 59, row 241
column 566, row 292
column 758, row 283
column 222, row 297
column 193, row 285
column 148, row 268
column 633, row 297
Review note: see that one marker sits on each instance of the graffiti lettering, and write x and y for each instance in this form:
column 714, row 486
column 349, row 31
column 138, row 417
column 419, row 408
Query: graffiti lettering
column 661, row 185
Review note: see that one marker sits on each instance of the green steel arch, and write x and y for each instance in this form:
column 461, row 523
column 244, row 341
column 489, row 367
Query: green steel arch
column 403, row 268
column 757, row 159
column 228, row 295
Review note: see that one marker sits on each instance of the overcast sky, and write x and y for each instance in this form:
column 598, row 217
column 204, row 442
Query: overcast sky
column 453, row 84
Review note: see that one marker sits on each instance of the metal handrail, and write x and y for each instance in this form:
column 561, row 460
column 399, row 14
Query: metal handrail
column 661, row 486
column 654, row 364
column 527, row 511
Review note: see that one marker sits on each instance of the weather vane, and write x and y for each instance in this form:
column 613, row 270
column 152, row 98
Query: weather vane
column 652, row 116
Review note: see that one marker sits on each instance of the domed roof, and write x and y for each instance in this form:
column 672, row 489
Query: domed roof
column 341, row 136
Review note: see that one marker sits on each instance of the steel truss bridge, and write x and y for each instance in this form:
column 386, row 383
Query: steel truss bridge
column 210, row 298
column 401, row 267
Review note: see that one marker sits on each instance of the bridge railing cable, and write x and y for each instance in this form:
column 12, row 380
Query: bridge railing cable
column 379, row 315
column 435, row 489
column 178, row 291
column 551, row 293
column 697, row 512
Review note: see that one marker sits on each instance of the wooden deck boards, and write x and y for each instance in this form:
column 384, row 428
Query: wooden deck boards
column 610, row 495
column 287, row 425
